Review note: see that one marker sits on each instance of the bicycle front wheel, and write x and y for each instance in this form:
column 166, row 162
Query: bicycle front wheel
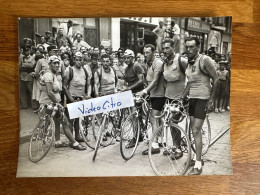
column 41, row 139
column 100, row 135
column 129, row 136
column 165, row 162
column 89, row 126
column 206, row 137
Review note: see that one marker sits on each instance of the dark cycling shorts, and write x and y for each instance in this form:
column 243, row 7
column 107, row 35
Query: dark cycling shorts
column 197, row 108
column 157, row 103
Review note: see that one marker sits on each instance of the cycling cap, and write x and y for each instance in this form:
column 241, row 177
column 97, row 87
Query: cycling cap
column 129, row 52
column 78, row 54
column 53, row 59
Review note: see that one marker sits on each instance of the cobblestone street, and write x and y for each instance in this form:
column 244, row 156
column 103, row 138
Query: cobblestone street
column 67, row 162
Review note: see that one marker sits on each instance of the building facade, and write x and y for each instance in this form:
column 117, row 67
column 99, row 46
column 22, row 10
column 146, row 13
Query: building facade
column 134, row 32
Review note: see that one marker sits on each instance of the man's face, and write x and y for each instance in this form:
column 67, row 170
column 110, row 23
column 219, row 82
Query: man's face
column 168, row 50
column 83, row 49
column 73, row 49
column 78, row 38
column 94, row 61
column 106, row 63
column 55, row 66
column 115, row 62
column 96, row 51
column 191, row 49
column 78, row 61
column 26, row 52
column 65, row 43
column 148, row 54
column 40, row 49
column 128, row 60
column 157, row 55
column 103, row 52
column 53, row 52
column 221, row 66
column 61, row 31
column 48, row 35
column 162, row 56
column 121, row 60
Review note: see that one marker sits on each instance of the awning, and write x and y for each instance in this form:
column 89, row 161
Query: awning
column 223, row 28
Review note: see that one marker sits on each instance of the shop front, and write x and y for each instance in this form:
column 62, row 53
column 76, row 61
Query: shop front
column 200, row 29
column 136, row 32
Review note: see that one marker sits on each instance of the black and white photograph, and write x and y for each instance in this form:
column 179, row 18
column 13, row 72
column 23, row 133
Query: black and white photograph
column 129, row 96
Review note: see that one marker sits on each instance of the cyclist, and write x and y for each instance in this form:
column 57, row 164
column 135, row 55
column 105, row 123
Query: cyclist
column 76, row 86
column 134, row 77
column 174, row 76
column 51, row 94
column 120, row 72
column 155, row 87
column 199, row 72
column 105, row 80
column 134, row 73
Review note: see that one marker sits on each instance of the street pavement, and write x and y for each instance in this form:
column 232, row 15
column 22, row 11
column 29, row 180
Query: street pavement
column 66, row 162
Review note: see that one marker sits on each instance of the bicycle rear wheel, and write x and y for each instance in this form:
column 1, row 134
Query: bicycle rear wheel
column 41, row 139
column 206, row 137
column 165, row 163
column 88, row 126
column 129, row 136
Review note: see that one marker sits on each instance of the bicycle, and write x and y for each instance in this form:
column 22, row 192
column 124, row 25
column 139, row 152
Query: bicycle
column 173, row 137
column 43, row 134
column 109, row 128
column 133, row 127
column 88, row 127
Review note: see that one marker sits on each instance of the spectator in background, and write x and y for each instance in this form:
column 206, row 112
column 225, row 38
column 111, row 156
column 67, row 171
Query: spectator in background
column 43, row 43
column 26, row 68
column 157, row 55
column 174, row 34
column 162, row 56
column 223, row 77
column 49, row 39
column 62, row 37
column 159, row 32
column 65, row 48
column 120, row 72
column 102, row 52
column 141, row 60
column 78, row 43
column 68, row 29
column 217, row 58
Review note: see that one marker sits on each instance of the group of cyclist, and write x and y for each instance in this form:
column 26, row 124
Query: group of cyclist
column 67, row 75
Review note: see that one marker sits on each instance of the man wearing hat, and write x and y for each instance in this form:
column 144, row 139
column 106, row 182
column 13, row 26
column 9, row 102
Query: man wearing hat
column 78, row 43
column 62, row 37
column 134, row 73
column 49, row 39
column 26, row 67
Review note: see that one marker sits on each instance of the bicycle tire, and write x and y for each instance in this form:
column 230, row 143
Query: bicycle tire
column 108, row 132
column 206, row 137
column 88, row 129
column 42, row 147
column 165, row 164
column 100, row 135
column 134, row 133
